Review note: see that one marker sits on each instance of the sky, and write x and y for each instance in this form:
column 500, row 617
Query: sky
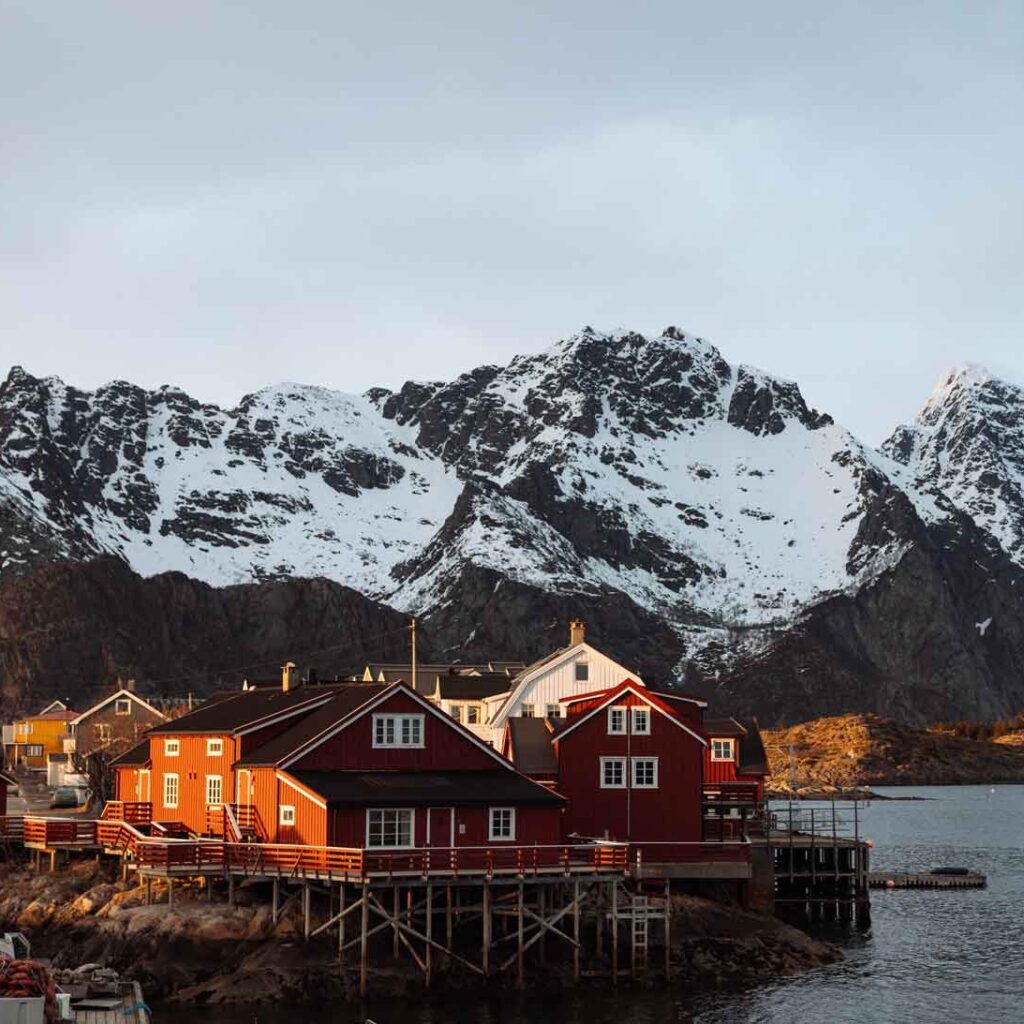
column 226, row 195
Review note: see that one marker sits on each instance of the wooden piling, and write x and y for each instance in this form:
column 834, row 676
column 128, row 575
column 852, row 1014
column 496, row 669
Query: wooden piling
column 519, row 936
column 428, row 960
column 485, row 952
column 576, row 930
column 615, row 933
column 307, row 900
column 341, row 923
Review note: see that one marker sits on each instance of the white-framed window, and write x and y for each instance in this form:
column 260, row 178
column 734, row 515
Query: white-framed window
column 613, row 773
column 170, row 789
column 527, row 711
column 472, row 714
column 286, row 814
column 398, row 730
column 722, row 750
column 34, row 750
column 617, row 721
column 390, row 828
column 502, row 825
column 101, row 732
column 582, row 672
column 122, row 706
column 641, row 721
column 553, row 711
column 214, row 747
column 214, row 789
column 457, row 712
column 172, row 748
column 645, row 773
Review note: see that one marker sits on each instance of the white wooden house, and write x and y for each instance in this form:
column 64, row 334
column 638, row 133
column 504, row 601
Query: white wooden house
column 536, row 692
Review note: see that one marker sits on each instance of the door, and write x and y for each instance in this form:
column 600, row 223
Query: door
column 439, row 833
column 144, row 785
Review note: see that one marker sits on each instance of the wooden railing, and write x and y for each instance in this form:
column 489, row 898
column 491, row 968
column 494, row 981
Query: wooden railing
column 12, row 827
column 180, row 854
column 118, row 835
column 50, row 832
column 134, row 812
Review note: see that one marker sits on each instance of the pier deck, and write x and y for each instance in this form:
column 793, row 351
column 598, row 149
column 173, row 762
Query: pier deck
column 925, row 880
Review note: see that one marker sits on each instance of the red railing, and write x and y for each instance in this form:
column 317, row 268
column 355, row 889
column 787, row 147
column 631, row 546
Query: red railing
column 118, row 835
column 293, row 859
column 178, row 854
column 12, row 827
column 134, row 812
column 60, row 831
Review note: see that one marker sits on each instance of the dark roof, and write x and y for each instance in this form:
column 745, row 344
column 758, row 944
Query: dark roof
column 676, row 695
column 723, row 727
column 532, row 751
column 753, row 758
column 242, row 709
column 488, row 684
column 347, row 698
column 447, row 789
column 137, row 755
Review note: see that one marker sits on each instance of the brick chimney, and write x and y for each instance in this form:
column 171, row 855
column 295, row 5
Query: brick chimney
column 577, row 629
column 288, row 680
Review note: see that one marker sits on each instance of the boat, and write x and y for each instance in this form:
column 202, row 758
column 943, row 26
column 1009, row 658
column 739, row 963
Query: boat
column 34, row 992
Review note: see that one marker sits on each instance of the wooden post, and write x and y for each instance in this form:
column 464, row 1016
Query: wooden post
column 542, row 907
column 231, row 890
column 599, row 917
column 364, row 959
column 209, row 889
column 448, row 915
column 428, row 952
column 615, row 933
column 149, row 891
column 275, row 896
column 668, row 931
column 519, row 937
column 341, row 923
column 170, row 892
column 576, row 930
column 485, row 951
column 394, row 919
column 307, row 900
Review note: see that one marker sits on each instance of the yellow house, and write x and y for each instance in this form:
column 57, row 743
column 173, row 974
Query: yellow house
column 37, row 736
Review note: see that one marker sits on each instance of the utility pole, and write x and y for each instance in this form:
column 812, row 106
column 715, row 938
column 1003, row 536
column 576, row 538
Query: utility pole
column 412, row 631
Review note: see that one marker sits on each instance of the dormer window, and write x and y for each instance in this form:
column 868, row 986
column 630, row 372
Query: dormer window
column 582, row 671
column 722, row 750
column 398, row 730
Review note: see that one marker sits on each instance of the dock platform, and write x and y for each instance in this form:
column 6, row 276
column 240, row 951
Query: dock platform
column 925, row 880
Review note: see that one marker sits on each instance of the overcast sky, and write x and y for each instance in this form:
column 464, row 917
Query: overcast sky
column 225, row 194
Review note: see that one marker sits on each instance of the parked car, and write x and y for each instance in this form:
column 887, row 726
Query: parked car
column 67, row 796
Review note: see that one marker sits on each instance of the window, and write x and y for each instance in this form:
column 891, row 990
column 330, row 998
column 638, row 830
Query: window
column 527, row 711
column 457, row 712
column 389, row 829
column 172, row 748
column 286, row 815
column 34, row 750
column 613, row 773
column 721, row 750
column 645, row 773
column 616, row 721
column 123, row 706
column 472, row 714
column 214, row 748
column 502, row 824
column 398, row 730
column 171, row 790
column 553, row 711
column 214, row 789
column 641, row 721
column 101, row 732
column 582, row 671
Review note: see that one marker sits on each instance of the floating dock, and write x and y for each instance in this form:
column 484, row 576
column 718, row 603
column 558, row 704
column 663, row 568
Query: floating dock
column 925, row 880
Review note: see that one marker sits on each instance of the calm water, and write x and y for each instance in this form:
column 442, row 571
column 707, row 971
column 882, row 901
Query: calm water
column 931, row 956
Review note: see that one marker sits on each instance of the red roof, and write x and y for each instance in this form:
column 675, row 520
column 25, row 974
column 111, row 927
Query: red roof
column 54, row 716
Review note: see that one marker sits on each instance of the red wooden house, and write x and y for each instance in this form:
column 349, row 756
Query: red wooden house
column 353, row 765
column 735, row 767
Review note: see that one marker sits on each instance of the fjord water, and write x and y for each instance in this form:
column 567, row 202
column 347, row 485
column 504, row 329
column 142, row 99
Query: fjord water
column 930, row 957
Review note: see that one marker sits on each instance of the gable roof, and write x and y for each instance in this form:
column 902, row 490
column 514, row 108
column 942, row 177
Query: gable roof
column 52, row 716
column 133, row 757
column 477, row 687
column 753, row 757
column 523, row 680
column 723, row 727
column 246, row 709
column 530, row 745
column 54, row 705
column 608, row 697
column 419, row 788
column 121, row 694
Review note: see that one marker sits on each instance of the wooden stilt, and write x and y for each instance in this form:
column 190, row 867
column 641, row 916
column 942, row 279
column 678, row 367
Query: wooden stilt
column 615, row 933
column 364, row 960
column 576, row 930
column 542, row 912
column 170, row 892
column 394, row 916
column 307, row 900
column 341, row 923
column 149, row 891
column 519, row 937
column 668, row 928
column 275, row 897
column 209, row 889
column 429, row 951
column 485, row 952
column 599, row 918
column 231, row 890
column 448, row 915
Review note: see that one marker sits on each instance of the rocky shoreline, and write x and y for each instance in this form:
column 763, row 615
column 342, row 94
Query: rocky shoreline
column 199, row 953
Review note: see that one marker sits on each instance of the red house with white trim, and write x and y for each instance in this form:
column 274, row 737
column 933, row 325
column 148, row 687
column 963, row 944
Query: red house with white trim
column 348, row 765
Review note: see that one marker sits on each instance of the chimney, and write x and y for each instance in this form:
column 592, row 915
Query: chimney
column 287, row 676
column 130, row 685
column 577, row 629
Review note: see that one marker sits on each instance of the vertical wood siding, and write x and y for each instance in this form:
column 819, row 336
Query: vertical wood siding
column 192, row 766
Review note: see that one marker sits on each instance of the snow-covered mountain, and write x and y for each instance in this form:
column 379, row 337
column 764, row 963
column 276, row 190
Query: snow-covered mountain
column 645, row 480
column 968, row 441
